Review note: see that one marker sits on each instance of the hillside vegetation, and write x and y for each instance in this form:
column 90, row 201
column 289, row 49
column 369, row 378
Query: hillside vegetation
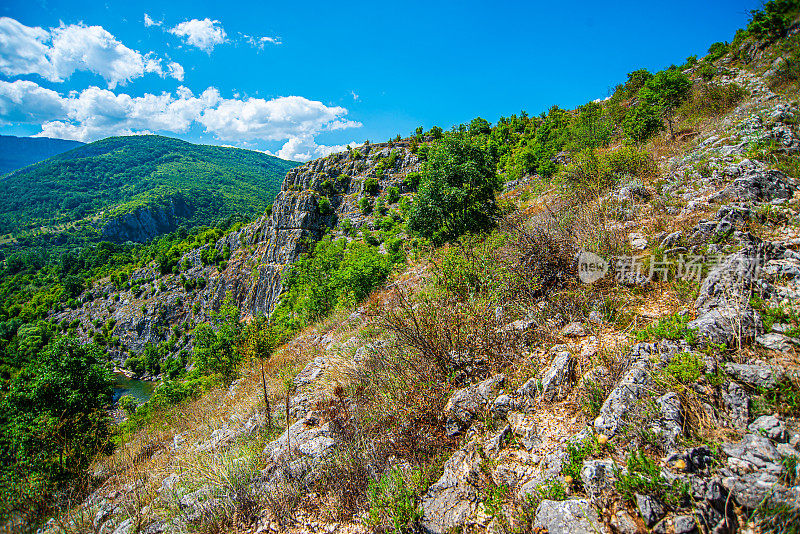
column 71, row 196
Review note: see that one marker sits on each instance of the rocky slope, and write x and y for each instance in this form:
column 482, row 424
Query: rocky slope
column 554, row 443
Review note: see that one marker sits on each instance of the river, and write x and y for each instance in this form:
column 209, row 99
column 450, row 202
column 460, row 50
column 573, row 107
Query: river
column 140, row 390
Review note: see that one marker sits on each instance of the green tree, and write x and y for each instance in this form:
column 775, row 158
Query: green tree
column 642, row 122
column 53, row 418
column 456, row 194
column 774, row 19
column 216, row 350
column 665, row 92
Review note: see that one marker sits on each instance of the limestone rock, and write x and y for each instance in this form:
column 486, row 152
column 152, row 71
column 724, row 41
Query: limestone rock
column 573, row 516
column 769, row 426
column 466, row 403
column 759, row 376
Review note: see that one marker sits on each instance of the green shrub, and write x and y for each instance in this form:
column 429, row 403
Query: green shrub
column 686, row 367
column 392, row 195
column 324, row 206
column 644, row 476
column 716, row 51
column 642, row 122
column 411, row 180
column 365, row 205
column 370, row 186
column 774, row 19
column 673, row 327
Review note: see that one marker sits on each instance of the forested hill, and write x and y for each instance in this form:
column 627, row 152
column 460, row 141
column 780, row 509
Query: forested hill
column 134, row 188
column 19, row 152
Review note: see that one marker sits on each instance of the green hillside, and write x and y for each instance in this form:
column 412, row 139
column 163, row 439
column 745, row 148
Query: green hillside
column 78, row 191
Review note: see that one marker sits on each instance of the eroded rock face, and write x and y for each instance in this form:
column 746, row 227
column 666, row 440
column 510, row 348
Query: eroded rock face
column 451, row 500
column 145, row 224
column 724, row 313
column 263, row 250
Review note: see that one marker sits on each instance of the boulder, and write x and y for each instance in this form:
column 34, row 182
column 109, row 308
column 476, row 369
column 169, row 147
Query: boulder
column 598, row 476
column 466, row 403
column 575, row 329
column 753, row 453
column 775, row 341
column 737, row 402
column 308, row 438
column 758, row 376
column 650, row 509
column 769, row 426
column 630, row 389
column 573, row 516
column 453, row 499
column 557, row 377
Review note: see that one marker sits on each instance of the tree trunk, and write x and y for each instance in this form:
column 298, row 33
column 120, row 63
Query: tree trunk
column 288, row 434
column 266, row 398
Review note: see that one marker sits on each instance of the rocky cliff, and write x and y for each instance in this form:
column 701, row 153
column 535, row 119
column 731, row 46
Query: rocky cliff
column 146, row 223
column 156, row 304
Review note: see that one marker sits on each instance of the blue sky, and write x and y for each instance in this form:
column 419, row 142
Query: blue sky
column 303, row 79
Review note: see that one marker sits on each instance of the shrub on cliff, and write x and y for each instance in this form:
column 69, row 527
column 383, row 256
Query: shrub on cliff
column 457, row 189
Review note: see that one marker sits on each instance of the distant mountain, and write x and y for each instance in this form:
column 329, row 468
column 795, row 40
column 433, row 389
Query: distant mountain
column 137, row 187
column 19, row 152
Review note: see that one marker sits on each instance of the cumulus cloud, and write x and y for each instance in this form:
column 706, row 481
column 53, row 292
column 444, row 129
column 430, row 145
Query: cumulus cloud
column 204, row 34
column 59, row 52
column 176, row 70
column 148, row 21
column 272, row 120
column 95, row 113
column 23, row 49
column 305, row 148
column 26, row 102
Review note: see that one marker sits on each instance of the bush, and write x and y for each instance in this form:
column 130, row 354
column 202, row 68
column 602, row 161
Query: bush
column 392, row 195
column 365, row 205
column 324, row 206
column 716, row 51
column 456, row 196
column 774, row 19
column 644, row 476
column 642, row 122
column 673, row 327
column 370, row 186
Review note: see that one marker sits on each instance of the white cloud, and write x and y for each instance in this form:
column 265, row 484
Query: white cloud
column 150, row 22
column 204, row 34
column 272, row 120
column 23, row 101
column 261, row 42
column 95, row 113
column 176, row 71
column 59, row 52
column 304, row 148
column 23, row 49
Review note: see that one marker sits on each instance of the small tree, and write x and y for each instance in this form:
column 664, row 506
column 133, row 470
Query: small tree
column 457, row 190
column 665, row 92
column 216, row 351
column 261, row 339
